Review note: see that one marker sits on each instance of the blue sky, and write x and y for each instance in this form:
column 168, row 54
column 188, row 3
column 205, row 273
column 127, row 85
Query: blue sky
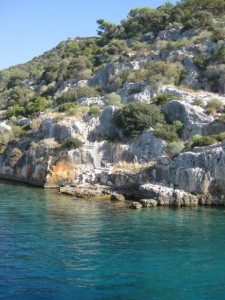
column 30, row 27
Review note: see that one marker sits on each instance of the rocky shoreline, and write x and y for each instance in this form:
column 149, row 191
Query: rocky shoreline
column 148, row 195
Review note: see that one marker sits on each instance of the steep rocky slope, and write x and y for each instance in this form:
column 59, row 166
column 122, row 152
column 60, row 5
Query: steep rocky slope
column 127, row 111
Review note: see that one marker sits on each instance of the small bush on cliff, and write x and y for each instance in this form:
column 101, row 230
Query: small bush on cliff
column 166, row 132
column 94, row 111
column 79, row 92
column 135, row 118
column 66, row 106
column 198, row 102
column 113, row 99
column 38, row 104
column 71, row 143
column 161, row 72
column 163, row 98
column 213, row 106
column 201, row 141
column 174, row 148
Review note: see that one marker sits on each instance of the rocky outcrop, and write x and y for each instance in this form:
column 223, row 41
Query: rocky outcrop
column 87, row 191
column 95, row 191
column 146, row 147
column 199, row 172
column 30, row 166
column 193, row 118
column 57, row 130
column 136, row 92
column 148, row 203
column 136, row 205
column 168, row 196
column 4, row 127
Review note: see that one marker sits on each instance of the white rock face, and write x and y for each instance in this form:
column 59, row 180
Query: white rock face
column 59, row 131
column 199, row 172
column 136, row 92
column 193, row 117
column 168, row 196
column 5, row 127
column 146, row 147
column 91, row 101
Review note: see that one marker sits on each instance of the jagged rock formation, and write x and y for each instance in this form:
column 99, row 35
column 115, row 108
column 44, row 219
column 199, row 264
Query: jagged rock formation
column 200, row 172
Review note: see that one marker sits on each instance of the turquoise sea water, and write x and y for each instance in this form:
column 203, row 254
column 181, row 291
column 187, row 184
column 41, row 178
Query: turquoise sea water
column 57, row 247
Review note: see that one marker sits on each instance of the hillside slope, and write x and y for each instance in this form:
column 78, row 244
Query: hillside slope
column 124, row 109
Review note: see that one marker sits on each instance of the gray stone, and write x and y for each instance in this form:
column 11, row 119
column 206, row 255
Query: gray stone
column 148, row 202
column 136, row 205
column 192, row 117
column 5, row 127
column 136, row 92
column 146, row 147
column 117, row 197
column 168, row 196
column 148, row 37
column 24, row 122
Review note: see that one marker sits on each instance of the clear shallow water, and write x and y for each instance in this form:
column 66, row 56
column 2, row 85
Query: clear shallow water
column 55, row 247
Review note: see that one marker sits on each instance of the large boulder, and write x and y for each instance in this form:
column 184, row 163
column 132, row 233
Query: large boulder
column 168, row 196
column 192, row 117
column 59, row 131
column 103, row 126
column 198, row 172
column 146, row 147
column 136, row 92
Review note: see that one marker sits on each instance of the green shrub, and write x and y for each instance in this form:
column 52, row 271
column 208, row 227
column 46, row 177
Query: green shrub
column 163, row 98
column 178, row 126
column 201, row 19
column 198, row 102
column 218, row 33
column 201, row 62
column 15, row 110
column 71, row 143
column 134, row 118
column 94, row 110
column 79, row 68
column 210, row 111
column 215, row 103
column 221, row 55
column 222, row 118
column 79, row 92
column 174, row 148
column 200, row 141
column 113, row 99
column 72, row 111
column 220, row 137
column 161, row 72
column 66, row 106
column 166, row 132
column 38, row 104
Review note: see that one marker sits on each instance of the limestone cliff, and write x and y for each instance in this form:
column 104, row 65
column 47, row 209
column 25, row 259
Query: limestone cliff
column 58, row 124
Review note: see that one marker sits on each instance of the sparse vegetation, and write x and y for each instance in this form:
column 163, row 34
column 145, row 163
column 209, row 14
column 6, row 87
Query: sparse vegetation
column 213, row 106
column 71, row 143
column 94, row 111
column 174, row 148
column 163, row 98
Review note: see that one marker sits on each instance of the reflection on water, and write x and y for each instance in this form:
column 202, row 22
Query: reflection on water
column 59, row 247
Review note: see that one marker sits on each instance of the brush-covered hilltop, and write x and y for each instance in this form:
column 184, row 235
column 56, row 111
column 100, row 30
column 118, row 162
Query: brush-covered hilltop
column 138, row 109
